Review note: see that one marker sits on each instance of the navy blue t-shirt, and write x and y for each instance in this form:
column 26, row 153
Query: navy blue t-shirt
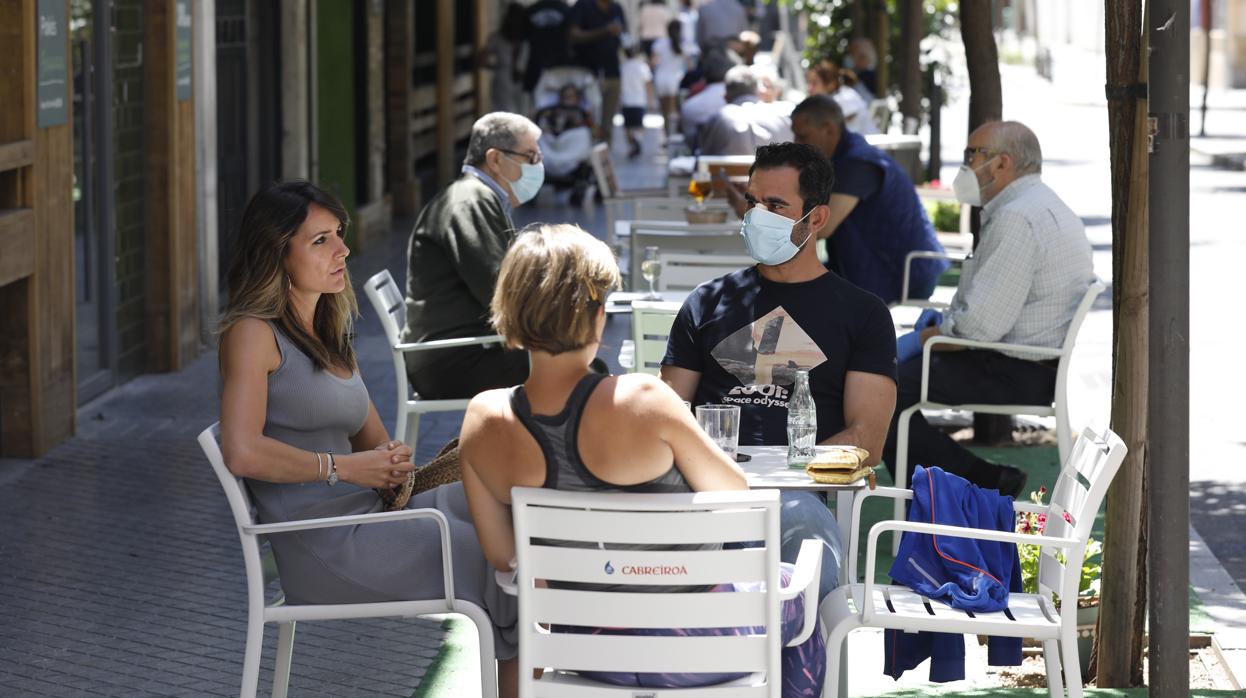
column 746, row 336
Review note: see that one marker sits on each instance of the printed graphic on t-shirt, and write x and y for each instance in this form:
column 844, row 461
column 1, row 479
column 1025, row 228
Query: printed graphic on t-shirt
column 764, row 355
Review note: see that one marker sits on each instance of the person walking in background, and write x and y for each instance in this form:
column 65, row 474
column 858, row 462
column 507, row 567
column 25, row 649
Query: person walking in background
column 826, row 78
column 720, row 21
column 636, row 96
column 654, row 16
column 503, row 54
column 688, row 21
column 548, row 45
column 671, row 58
column 596, row 28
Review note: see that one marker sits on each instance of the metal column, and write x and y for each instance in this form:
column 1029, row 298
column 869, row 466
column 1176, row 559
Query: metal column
column 1168, row 36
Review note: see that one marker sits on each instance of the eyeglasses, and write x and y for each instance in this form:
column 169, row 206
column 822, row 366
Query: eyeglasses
column 971, row 151
column 533, row 158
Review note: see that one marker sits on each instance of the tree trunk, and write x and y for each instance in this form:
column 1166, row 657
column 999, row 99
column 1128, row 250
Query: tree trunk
column 882, row 44
column 910, row 64
column 982, row 59
column 1118, row 643
column 856, row 15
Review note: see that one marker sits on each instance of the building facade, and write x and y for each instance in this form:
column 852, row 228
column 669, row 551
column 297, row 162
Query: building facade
column 132, row 134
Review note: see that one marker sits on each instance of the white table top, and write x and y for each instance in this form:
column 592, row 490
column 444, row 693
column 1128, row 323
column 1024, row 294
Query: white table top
column 621, row 301
column 768, row 469
column 623, row 228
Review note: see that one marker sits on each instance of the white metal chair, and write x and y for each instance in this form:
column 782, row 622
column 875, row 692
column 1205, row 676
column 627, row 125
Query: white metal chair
column 260, row 612
column 651, row 326
column 683, row 241
column 389, row 304
column 601, row 520
column 1079, row 490
column 1059, row 407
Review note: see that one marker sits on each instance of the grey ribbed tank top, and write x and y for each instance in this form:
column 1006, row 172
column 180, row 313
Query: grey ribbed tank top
column 313, row 410
column 558, row 437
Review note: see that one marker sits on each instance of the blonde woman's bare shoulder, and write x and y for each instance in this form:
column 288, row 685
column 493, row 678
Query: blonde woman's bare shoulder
column 645, row 390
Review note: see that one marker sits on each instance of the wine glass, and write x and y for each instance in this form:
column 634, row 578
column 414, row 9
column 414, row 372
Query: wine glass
column 651, row 269
column 700, row 186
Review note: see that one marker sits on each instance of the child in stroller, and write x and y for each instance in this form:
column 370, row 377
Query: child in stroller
column 565, row 111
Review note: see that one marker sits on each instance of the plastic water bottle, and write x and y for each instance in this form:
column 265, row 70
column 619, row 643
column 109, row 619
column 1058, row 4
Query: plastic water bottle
column 802, row 422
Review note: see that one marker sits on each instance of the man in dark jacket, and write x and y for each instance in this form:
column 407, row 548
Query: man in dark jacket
column 876, row 217
column 454, row 255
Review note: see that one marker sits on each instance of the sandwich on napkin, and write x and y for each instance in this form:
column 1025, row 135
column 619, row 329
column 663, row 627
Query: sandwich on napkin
column 839, row 465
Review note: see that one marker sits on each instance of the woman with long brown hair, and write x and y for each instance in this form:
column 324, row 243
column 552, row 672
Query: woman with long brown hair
column 297, row 422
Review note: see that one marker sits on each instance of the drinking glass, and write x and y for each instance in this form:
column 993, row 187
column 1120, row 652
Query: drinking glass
column 722, row 424
column 700, row 186
column 651, row 269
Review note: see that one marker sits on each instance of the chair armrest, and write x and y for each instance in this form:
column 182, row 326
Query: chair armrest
column 805, row 579
column 973, row 344
column 448, row 343
column 871, row 549
column 443, row 528
column 506, row 581
column 922, row 254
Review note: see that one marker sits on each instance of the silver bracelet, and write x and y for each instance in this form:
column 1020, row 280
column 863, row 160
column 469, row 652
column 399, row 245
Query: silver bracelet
column 319, row 467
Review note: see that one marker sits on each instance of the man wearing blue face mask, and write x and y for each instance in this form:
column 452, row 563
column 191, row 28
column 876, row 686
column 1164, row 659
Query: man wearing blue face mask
column 738, row 339
column 454, row 255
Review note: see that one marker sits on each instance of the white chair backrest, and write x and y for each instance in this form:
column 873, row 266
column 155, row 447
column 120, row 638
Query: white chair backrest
column 547, row 519
column 1083, row 308
column 241, row 507
column 1080, row 488
column 390, row 306
column 666, row 208
column 685, row 271
column 674, row 239
column 603, row 171
column 651, row 327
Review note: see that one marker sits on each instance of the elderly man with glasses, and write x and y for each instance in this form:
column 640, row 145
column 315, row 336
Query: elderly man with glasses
column 1022, row 285
column 454, row 255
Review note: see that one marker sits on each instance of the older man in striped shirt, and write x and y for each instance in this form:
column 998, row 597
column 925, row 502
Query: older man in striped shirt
column 1022, row 285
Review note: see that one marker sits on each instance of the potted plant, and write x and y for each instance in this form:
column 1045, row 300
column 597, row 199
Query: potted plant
column 1088, row 588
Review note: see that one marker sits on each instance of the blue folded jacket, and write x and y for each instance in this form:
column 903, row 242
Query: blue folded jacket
column 972, row 575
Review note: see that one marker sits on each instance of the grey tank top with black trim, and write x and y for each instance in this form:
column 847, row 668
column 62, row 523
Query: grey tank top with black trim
column 558, row 437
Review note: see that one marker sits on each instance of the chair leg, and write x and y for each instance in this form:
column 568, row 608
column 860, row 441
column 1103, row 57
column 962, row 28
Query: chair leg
column 412, row 430
column 1051, row 660
column 836, row 684
column 285, row 655
column 488, row 658
column 1072, row 666
column 251, row 656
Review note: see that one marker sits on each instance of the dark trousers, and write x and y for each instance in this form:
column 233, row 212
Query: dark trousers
column 956, row 378
column 460, row 373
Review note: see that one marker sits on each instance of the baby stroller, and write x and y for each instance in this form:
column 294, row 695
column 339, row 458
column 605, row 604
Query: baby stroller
column 568, row 103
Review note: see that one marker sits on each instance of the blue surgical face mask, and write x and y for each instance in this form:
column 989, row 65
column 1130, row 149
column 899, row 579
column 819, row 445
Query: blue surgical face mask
column 531, row 177
column 768, row 236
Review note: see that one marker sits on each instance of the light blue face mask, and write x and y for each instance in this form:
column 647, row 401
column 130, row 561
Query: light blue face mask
column 768, row 236
column 531, row 177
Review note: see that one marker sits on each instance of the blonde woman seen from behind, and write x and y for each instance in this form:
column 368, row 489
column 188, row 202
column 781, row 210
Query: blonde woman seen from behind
column 569, row 428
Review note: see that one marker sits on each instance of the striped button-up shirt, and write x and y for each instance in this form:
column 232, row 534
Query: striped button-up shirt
column 1023, row 283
